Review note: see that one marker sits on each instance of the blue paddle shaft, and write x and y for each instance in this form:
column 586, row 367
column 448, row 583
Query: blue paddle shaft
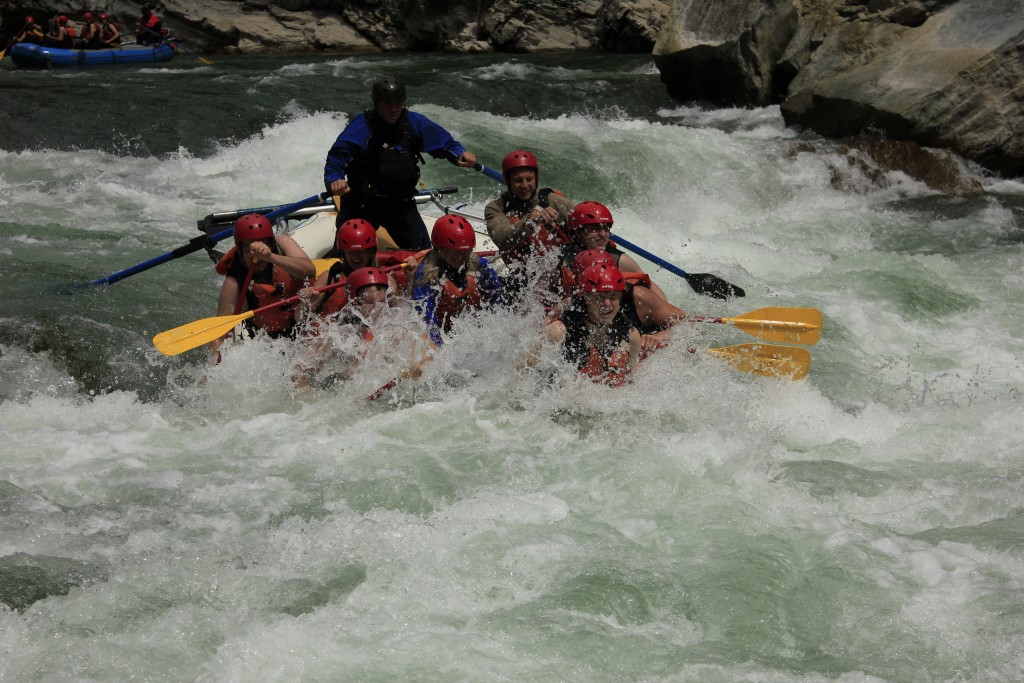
column 197, row 243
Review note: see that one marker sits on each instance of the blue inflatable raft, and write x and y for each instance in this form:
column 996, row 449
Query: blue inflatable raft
column 30, row 56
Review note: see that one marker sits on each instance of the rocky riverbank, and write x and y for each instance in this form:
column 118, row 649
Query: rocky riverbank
column 940, row 73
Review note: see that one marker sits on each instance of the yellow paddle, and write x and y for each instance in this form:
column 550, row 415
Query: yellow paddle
column 784, row 362
column 191, row 335
column 775, row 324
column 199, row 332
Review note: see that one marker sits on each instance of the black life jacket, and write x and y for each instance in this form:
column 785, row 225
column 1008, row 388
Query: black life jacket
column 389, row 170
column 575, row 349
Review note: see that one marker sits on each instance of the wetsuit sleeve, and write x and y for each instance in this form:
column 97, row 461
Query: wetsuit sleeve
column 433, row 139
column 490, row 283
column 351, row 143
column 424, row 300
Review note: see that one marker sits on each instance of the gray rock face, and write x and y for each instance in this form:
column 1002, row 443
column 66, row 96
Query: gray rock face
column 942, row 73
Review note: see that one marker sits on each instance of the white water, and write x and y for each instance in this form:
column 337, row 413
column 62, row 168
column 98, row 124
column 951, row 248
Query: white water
column 701, row 525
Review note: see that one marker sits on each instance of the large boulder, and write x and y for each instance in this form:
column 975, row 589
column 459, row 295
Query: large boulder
column 942, row 73
column 725, row 51
column 956, row 81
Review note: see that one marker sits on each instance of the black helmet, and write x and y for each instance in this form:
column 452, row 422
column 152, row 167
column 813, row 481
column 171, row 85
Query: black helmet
column 389, row 89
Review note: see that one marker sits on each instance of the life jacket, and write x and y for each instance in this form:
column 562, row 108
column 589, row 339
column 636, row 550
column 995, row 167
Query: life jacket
column 608, row 364
column 338, row 297
column 538, row 242
column 267, row 286
column 453, row 301
column 110, row 30
column 390, row 168
column 152, row 23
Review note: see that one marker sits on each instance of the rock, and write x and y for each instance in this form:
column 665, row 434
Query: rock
column 726, row 51
column 25, row 579
column 942, row 73
column 875, row 160
column 955, row 82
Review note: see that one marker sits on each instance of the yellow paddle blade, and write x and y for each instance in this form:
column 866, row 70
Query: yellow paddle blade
column 781, row 324
column 784, row 362
column 197, row 333
column 322, row 265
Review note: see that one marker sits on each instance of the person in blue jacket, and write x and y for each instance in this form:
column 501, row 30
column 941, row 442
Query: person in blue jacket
column 452, row 280
column 374, row 164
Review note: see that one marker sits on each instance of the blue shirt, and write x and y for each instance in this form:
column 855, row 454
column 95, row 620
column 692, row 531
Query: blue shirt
column 431, row 139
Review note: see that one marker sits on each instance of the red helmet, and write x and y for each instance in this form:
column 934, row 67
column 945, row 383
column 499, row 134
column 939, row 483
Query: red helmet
column 589, row 213
column 252, row 226
column 87, row 16
column 29, row 20
column 356, row 234
column 600, row 278
column 591, row 257
column 104, row 17
column 364, row 277
column 519, row 159
column 453, row 232
column 62, row 20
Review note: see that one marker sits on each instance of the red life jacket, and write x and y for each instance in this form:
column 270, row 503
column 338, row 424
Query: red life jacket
column 453, row 301
column 612, row 370
column 265, row 288
column 538, row 242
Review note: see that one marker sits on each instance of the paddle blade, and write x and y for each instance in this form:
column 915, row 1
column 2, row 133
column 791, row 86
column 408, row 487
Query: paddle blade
column 783, row 362
column 713, row 286
column 196, row 333
column 781, row 324
column 322, row 265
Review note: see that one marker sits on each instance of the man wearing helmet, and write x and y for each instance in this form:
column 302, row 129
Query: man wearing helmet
column 59, row 34
column 374, row 164
column 527, row 222
column 594, row 334
column 260, row 269
column 452, row 279
column 149, row 28
column 30, row 32
column 89, row 33
column 110, row 33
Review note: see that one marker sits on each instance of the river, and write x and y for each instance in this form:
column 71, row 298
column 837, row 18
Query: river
column 863, row 524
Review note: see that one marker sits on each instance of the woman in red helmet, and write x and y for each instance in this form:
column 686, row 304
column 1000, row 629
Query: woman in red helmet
column 594, row 334
column 452, row 279
column 648, row 312
column 590, row 225
column 527, row 222
column 260, row 269
column 356, row 243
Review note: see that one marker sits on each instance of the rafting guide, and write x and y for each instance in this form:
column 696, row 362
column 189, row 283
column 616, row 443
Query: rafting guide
column 374, row 164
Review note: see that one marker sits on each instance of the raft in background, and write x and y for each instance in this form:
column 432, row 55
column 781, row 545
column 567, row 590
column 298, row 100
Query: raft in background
column 31, row 56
